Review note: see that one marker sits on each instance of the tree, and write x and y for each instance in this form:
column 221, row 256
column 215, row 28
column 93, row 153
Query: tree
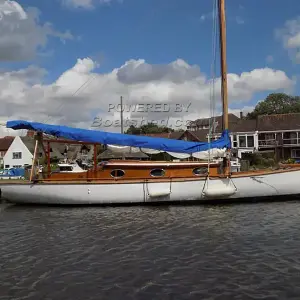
column 148, row 128
column 133, row 130
column 276, row 103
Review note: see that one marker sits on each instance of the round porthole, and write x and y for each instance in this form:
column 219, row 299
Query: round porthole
column 200, row 171
column 157, row 173
column 117, row 173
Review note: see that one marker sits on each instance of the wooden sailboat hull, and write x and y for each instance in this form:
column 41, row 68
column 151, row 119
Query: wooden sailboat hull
column 284, row 183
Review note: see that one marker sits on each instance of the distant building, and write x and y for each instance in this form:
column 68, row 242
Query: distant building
column 205, row 123
column 278, row 133
column 20, row 152
column 4, row 146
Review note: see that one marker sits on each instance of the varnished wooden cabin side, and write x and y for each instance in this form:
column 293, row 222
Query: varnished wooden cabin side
column 120, row 170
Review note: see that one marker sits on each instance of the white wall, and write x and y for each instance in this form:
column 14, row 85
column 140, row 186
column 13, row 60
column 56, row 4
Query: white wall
column 17, row 146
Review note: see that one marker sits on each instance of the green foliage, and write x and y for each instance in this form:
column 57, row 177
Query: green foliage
column 53, row 160
column 289, row 161
column 277, row 103
column 148, row 129
column 260, row 160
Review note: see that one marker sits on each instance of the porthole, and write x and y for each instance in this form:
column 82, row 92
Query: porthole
column 157, row 173
column 200, row 171
column 117, row 173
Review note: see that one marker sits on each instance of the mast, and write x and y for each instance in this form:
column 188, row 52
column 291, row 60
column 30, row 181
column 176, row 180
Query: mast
column 224, row 93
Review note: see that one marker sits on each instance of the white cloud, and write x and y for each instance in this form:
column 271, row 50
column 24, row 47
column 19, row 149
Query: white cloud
column 86, row 4
column 79, row 94
column 244, row 110
column 21, row 33
column 290, row 37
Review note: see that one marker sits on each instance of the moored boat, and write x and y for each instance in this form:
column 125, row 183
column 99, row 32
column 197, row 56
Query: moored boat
column 12, row 173
column 117, row 182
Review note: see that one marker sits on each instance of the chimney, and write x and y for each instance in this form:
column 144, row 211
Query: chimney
column 241, row 115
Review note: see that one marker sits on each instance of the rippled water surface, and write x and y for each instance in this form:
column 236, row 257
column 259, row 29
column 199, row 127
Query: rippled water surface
column 197, row 252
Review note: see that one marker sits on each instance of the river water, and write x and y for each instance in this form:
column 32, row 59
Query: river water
column 247, row 251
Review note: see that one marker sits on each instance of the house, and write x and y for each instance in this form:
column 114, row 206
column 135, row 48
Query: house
column 276, row 133
column 4, row 145
column 20, row 153
column 243, row 132
column 205, row 123
column 281, row 134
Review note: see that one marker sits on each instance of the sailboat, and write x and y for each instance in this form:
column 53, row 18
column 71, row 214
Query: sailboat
column 125, row 182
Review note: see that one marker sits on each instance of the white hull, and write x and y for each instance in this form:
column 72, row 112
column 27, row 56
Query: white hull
column 276, row 184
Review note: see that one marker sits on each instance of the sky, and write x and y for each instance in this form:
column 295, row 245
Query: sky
column 69, row 61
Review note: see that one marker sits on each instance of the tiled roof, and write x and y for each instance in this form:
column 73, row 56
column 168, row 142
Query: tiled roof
column 6, row 142
column 243, row 126
column 278, row 122
column 200, row 135
column 30, row 144
column 109, row 154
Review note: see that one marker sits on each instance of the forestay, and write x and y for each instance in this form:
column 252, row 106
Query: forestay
column 110, row 138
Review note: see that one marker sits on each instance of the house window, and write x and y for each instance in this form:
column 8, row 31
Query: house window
column 234, row 142
column 6, row 166
column 242, row 141
column 250, row 141
column 295, row 153
column 17, row 155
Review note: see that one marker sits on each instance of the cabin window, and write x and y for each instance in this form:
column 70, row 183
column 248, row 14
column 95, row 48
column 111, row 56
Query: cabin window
column 157, row 173
column 17, row 155
column 200, row 171
column 117, row 173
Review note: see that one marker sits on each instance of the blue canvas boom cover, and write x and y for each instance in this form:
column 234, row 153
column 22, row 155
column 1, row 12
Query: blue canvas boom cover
column 106, row 138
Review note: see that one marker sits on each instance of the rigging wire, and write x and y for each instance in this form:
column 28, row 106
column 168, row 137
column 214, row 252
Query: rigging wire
column 81, row 88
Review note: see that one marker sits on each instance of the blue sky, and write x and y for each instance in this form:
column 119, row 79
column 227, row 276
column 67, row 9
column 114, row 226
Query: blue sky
column 162, row 31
